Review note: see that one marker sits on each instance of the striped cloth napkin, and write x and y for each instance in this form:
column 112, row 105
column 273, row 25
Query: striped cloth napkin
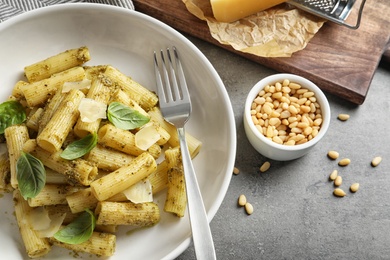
column 9, row 8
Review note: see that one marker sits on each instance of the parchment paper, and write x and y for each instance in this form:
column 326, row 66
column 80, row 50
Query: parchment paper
column 276, row 32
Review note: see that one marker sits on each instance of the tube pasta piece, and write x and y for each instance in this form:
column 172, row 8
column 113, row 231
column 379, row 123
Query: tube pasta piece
column 16, row 91
column 127, row 213
column 77, row 171
column 100, row 93
column 101, row 244
column 108, row 159
column 173, row 157
column 164, row 135
column 34, row 118
column 49, row 109
column 122, row 97
column 35, row 246
column 193, row 143
column 159, row 178
column 81, row 200
column 52, row 194
column 176, row 200
column 37, row 93
column 94, row 71
column 136, row 91
column 112, row 229
column 57, row 63
column 16, row 136
column 124, row 141
column 53, row 135
column 121, row 179
column 5, row 173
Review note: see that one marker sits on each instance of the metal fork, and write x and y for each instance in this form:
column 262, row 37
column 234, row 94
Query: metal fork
column 175, row 106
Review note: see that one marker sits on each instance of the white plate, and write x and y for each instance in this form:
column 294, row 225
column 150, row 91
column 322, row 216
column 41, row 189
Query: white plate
column 125, row 39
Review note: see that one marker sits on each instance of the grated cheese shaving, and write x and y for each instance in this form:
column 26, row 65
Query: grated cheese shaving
column 92, row 110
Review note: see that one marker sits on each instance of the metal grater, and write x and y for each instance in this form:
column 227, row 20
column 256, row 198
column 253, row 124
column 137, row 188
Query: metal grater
column 333, row 10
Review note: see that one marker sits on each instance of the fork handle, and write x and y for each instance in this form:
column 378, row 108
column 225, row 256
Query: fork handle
column 201, row 233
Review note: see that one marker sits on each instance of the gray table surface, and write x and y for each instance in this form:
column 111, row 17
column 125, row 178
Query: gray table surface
column 295, row 214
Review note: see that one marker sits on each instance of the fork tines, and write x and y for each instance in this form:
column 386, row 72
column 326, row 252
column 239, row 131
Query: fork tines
column 171, row 83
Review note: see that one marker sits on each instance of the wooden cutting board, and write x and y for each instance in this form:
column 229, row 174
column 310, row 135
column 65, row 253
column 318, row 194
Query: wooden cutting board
column 339, row 60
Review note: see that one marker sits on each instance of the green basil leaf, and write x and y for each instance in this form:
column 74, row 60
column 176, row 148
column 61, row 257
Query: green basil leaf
column 80, row 147
column 31, row 175
column 78, row 231
column 11, row 113
column 125, row 117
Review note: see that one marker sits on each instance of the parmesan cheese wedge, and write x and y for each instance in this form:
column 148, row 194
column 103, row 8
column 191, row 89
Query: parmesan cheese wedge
column 232, row 10
column 92, row 110
column 140, row 192
column 39, row 220
column 68, row 86
column 146, row 137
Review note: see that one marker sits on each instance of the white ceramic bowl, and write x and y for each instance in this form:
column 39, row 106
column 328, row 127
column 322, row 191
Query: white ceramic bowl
column 269, row 148
column 125, row 39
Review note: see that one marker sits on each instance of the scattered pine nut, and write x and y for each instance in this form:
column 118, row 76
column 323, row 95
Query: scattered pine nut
column 265, row 166
column 236, row 171
column 344, row 162
column 343, row 117
column 338, row 181
column 242, row 200
column 354, row 187
column 248, row 208
column 333, row 155
column 333, row 175
column 376, row 161
column 339, row 192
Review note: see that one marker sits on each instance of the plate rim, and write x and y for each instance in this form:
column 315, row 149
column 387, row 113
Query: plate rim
column 65, row 7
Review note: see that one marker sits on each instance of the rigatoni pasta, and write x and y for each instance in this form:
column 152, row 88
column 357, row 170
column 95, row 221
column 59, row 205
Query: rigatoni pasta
column 124, row 177
column 57, row 129
column 15, row 136
column 109, row 162
column 127, row 213
column 57, row 63
column 102, row 244
column 37, row 93
column 5, row 171
column 35, row 246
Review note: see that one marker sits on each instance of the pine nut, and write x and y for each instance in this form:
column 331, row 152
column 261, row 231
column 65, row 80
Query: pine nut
column 338, row 181
column 333, row 155
column 248, row 208
column 236, row 171
column 333, row 175
column 376, row 161
column 242, row 200
column 343, row 117
column 354, row 187
column 290, row 142
column 308, row 94
column 293, row 85
column 259, row 100
column 344, row 162
column 339, row 192
column 265, row 166
column 277, row 139
column 274, row 121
